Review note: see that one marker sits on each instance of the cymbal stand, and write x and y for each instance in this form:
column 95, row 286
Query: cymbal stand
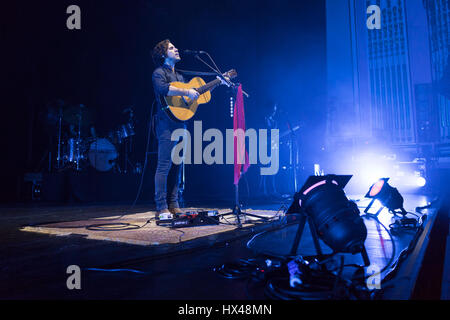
column 58, row 156
column 128, row 145
column 77, row 144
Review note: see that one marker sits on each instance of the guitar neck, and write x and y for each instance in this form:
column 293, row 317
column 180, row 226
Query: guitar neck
column 209, row 86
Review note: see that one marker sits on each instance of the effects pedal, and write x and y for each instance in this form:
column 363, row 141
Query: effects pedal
column 164, row 220
column 195, row 218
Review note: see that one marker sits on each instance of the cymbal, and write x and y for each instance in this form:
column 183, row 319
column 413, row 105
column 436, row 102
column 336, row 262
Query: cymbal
column 78, row 114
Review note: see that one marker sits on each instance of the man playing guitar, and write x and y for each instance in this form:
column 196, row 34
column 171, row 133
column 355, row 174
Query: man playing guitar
column 165, row 56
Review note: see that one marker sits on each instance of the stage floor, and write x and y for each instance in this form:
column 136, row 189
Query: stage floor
column 34, row 261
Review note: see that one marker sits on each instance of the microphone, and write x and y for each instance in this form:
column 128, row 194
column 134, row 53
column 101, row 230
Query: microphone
column 193, row 52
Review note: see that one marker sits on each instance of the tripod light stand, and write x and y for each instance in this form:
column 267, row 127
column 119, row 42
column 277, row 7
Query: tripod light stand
column 330, row 215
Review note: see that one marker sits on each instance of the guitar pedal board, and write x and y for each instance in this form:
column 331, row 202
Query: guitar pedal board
column 191, row 219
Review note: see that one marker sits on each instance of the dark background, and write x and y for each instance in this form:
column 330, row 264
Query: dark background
column 277, row 47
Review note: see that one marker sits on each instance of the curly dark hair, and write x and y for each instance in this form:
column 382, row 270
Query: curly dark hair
column 159, row 52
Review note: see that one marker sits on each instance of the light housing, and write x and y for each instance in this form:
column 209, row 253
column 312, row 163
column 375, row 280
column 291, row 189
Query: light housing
column 335, row 218
column 388, row 196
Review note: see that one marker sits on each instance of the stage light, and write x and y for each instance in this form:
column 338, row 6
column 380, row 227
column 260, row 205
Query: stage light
column 388, row 196
column 411, row 175
column 421, row 182
column 331, row 215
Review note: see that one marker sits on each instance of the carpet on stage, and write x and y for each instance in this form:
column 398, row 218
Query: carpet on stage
column 137, row 229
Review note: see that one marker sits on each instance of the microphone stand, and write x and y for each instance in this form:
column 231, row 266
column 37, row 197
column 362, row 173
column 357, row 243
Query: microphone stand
column 236, row 211
column 58, row 157
column 293, row 154
column 218, row 72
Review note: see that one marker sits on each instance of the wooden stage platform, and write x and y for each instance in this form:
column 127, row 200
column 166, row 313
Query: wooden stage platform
column 38, row 243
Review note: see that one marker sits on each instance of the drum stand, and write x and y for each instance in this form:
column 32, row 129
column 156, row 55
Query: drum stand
column 127, row 134
column 58, row 155
column 125, row 161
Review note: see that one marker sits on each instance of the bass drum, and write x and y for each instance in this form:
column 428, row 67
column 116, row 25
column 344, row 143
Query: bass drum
column 102, row 154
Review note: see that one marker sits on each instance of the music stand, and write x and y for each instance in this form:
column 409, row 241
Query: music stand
column 236, row 209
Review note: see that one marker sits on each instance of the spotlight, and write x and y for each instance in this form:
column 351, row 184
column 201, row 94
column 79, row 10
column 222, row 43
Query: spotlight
column 331, row 216
column 421, row 182
column 388, row 196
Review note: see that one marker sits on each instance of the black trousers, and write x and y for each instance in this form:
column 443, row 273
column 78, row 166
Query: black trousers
column 168, row 174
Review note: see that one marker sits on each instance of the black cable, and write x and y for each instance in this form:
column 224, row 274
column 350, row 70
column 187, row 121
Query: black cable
column 319, row 287
column 252, row 221
column 237, row 270
column 317, row 284
column 282, row 224
column 395, row 228
column 181, row 235
column 116, row 270
column 150, row 127
column 322, row 284
column 273, row 290
column 391, row 260
column 405, row 253
column 412, row 213
column 403, row 225
column 338, row 277
column 110, row 226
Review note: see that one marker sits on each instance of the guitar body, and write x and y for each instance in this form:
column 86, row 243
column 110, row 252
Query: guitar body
column 182, row 108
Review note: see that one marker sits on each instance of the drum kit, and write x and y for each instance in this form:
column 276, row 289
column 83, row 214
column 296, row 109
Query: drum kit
column 76, row 149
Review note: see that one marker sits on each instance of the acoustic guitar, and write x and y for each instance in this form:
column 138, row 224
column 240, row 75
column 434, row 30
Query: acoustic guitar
column 182, row 108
